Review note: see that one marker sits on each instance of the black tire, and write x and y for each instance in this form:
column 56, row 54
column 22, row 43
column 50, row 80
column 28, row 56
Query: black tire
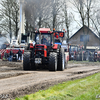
column 0, row 56
column 26, row 61
column 61, row 60
column 52, row 61
column 33, row 66
column 26, row 48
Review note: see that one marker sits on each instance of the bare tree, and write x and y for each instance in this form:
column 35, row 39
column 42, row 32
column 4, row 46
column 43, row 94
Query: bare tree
column 56, row 8
column 9, row 13
column 30, row 15
column 84, row 8
column 79, row 5
column 67, row 16
column 95, row 17
column 37, row 12
column 89, row 4
column 43, row 13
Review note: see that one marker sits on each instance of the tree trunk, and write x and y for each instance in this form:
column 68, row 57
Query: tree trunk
column 40, row 22
column 10, row 32
column 54, row 20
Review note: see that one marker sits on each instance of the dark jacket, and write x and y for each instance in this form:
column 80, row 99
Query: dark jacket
column 19, row 53
column 11, row 53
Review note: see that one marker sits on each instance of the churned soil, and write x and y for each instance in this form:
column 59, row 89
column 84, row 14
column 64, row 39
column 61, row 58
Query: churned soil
column 15, row 82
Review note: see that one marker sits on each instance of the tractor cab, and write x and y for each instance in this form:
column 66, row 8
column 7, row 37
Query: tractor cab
column 43, row 42
column 43, row 38
column 58, row 37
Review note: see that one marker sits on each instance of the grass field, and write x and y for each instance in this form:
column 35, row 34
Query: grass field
column 83, row 62
column 81, row 89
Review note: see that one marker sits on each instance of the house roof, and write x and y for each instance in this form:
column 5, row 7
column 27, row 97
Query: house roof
column 81, row 29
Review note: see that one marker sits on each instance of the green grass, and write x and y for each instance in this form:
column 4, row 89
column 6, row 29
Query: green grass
column 83, row 62
column 81, row 89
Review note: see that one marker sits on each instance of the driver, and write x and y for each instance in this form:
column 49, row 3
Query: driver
column 43, row 40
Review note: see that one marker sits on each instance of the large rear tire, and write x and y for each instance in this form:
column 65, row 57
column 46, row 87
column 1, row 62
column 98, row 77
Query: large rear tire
column 0, row 55
column 53, row 61
column 61, row 60
column 26, row 61
column 33, row 66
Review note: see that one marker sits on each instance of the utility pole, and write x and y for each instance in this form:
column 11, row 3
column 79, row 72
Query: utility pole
column 10, row 31
column 22, row 19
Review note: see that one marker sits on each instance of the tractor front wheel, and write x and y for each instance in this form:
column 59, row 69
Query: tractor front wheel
column 61, row 60
column 26, row 61
column 53, row 61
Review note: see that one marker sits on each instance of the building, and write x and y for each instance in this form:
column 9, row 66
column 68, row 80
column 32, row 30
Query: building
column 85, row 34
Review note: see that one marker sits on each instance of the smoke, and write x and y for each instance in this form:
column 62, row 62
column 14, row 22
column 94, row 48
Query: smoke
column 37, row 10
column 3, row 40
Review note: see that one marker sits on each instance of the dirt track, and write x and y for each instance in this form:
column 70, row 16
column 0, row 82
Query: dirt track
column 16, row 82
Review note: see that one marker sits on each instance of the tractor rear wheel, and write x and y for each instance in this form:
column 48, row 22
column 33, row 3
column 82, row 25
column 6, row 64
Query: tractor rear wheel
column 0, row 55
column 33, row 66
column 61, row 60
column 26, row 61
column 53, row 61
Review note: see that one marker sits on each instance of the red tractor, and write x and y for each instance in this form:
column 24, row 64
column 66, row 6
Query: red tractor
column 45, row 52
column 97, row 55
column 73, row 49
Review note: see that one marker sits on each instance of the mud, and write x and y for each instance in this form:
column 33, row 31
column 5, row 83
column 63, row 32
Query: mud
column 15, row 82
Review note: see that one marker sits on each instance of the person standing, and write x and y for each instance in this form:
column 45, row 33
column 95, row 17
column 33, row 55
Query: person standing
column 14, row 58
column 19, row 54
column 11, row 55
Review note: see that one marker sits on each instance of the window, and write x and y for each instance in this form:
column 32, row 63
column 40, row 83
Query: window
column 45, row 39
column 81, row 38
column 84, row 38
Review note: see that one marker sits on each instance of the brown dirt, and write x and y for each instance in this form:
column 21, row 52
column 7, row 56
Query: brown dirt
column 15, row 82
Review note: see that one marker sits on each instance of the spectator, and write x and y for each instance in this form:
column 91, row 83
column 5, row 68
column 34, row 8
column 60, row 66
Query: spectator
column 11, row 55
column 5, row 55
column 14, row 58
column 19, row 54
